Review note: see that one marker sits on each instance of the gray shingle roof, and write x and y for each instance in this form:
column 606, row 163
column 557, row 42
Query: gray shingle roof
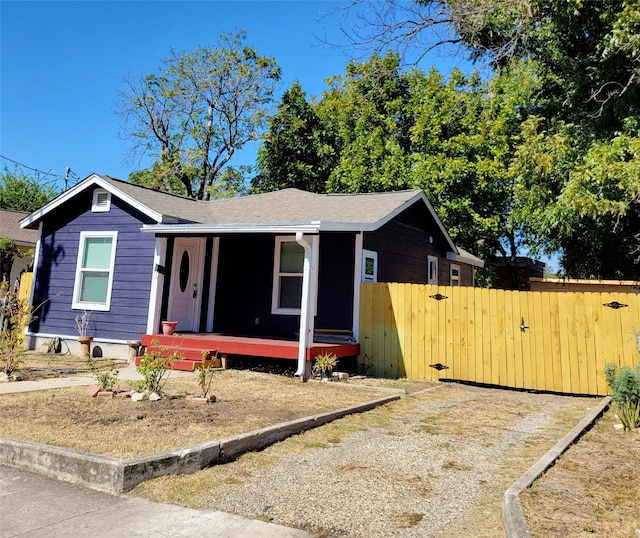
column 10, row 227
column 170, row 206
column 291, row 206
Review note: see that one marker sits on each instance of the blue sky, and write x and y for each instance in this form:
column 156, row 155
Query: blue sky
column 62, row 65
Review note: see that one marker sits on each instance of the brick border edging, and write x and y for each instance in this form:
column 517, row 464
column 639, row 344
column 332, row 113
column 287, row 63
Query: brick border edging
column 513, row 517
column 115, row 475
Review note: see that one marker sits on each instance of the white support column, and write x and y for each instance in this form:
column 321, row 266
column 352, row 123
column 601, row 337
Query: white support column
column 308, row 302
column 213, row 283
column 357, row 279
column 157, row 286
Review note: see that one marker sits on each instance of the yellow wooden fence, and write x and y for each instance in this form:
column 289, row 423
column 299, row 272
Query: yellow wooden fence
column 25, row 286
column 552, row 341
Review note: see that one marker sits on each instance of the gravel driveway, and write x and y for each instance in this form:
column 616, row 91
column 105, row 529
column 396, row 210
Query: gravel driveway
column 433, row 464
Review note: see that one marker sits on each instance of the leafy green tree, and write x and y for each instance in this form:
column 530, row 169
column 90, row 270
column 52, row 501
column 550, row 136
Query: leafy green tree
column 8, row 251
column 296, row 151
column 575, row 160
column 20, row 192
column 366, row 117
column 199, row 109
column 231, row 182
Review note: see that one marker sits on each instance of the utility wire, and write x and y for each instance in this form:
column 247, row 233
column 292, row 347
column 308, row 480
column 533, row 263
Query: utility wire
column 40, row 171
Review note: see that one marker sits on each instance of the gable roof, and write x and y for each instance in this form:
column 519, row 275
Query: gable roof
column 10, row 227
column 284, row 211
column 159, row 206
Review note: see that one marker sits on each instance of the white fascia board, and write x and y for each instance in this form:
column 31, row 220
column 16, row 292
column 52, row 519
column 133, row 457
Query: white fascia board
column 93, row 179
column 471, row 260
column 172, row 229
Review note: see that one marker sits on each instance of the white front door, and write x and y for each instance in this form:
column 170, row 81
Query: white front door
column 186, row 283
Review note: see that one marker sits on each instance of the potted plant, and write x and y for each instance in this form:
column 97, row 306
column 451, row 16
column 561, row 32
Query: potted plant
column 169, row 327
column 325, row 363
column 82, row 322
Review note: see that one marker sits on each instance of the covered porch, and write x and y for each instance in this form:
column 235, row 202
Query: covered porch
column 192, row 348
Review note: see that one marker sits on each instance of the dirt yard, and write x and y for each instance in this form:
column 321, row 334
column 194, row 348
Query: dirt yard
column 433, row 464
column 121, row 428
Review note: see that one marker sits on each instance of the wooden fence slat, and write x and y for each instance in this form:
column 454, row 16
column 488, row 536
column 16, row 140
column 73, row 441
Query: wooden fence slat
column 568, row 339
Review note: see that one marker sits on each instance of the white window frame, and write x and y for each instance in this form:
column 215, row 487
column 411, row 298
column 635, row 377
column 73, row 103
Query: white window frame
column 453, row 267
column 275, row 297
column 96, row 205
column 371, row 254
column 77, row 304
column 432, row 261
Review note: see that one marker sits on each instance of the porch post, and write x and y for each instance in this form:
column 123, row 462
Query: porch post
column 157, row 280
column 308, row 303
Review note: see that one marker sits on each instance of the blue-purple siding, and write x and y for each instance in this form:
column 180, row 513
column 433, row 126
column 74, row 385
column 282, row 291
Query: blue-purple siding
column 56, row 268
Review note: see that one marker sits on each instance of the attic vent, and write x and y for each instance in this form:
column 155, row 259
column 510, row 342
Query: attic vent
column 101, row 201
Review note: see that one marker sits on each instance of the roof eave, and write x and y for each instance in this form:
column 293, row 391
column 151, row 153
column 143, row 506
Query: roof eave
column 180, row 229
column 93, row 179
column 468, row 259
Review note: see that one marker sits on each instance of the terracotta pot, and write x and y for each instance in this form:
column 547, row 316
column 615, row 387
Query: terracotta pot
column 85, row 345
column 169, row 327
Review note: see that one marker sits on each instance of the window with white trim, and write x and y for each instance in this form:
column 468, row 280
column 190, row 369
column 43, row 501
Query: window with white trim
column 369, row 266
column 101, row 201
column 287, row 276
column 432, row 270
column 454, row 275
column 94, row 270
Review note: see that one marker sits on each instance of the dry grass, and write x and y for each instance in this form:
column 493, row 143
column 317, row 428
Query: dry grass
column 594, row 488
column 121, row 428
column 39, row 365
column 454, row 422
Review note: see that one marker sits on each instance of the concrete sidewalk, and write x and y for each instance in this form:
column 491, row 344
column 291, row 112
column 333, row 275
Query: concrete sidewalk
column 127, row 373
column 37, row 507
column 33, row 506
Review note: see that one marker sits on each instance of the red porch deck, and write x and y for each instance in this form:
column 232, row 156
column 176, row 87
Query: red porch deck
column 253, row 347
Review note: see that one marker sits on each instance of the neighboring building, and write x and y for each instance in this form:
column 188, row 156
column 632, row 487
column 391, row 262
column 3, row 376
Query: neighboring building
column 517, row 274
column 25, row 240
column 274, row 265
column 574, row 284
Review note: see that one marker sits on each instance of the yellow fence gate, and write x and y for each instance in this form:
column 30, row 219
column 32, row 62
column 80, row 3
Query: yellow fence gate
column 551, row 341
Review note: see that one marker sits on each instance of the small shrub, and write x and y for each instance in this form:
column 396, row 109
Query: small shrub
column 16, row 315
column 107, row 377
column 325, row 363
column 625, row 386
column 205, row 377
column 154, row 368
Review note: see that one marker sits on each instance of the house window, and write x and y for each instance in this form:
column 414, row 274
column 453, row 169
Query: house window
column 454, row 275
column 287, row 276
column 94, row 270
column 369, row 266
column 432, row 270
column 101, row 201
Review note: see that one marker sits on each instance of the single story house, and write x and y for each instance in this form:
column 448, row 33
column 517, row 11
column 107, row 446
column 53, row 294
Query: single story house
column 25, row 242
column 284, row 266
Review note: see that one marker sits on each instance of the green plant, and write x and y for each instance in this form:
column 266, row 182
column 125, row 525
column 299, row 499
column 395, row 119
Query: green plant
column 625, row 386
column 106, row 377
column 15, row 316
column 325, row 363
column 154, row 368
column 205, row 376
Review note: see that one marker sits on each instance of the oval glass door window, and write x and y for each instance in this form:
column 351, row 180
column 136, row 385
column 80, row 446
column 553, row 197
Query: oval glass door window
column 184, row 271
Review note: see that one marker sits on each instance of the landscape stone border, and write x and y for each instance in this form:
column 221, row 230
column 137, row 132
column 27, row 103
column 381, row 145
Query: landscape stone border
column 513, row 518
column 115, row 475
